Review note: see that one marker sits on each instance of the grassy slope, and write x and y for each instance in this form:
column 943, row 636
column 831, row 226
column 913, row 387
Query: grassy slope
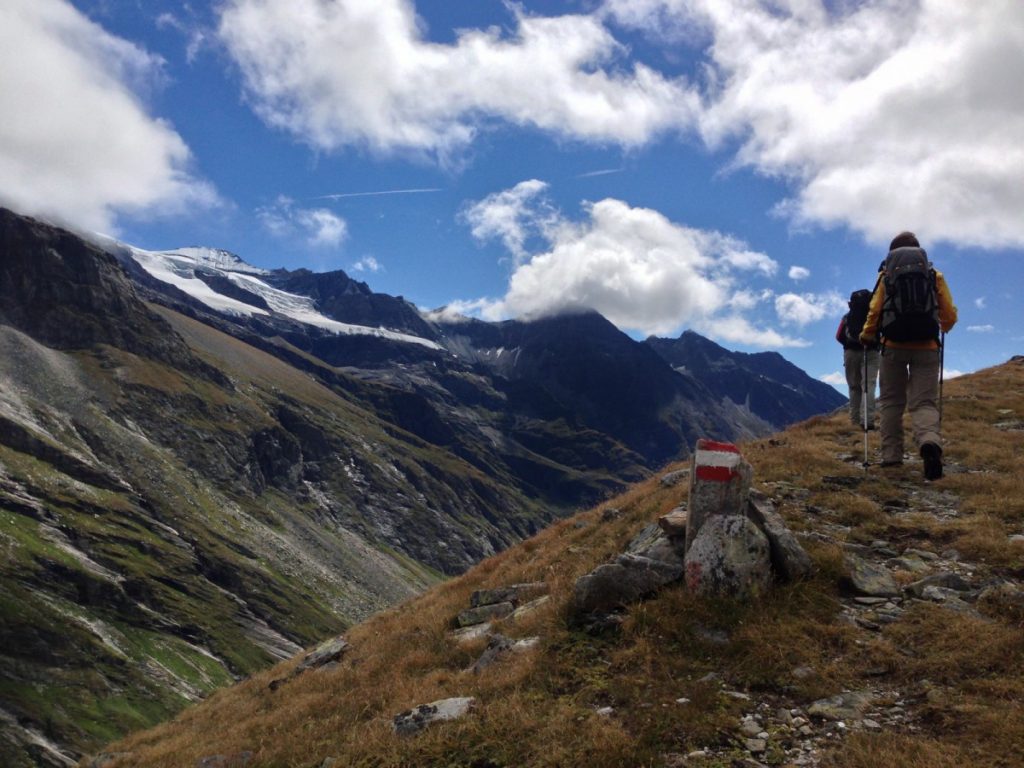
column 961, row 676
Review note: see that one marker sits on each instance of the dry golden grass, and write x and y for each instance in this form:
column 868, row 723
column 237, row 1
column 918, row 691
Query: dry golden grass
column 963, row 675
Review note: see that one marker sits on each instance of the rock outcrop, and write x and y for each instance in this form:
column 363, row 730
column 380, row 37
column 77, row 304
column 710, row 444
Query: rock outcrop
column 725, row 541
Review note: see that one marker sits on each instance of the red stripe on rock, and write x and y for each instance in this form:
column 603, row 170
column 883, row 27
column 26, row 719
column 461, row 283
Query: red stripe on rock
column 716, row 474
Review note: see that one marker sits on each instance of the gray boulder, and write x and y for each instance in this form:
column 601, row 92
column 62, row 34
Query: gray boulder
column 626, row 581
column 730, row 556
column 416, row 719
column 864, row 578
column 789, row 559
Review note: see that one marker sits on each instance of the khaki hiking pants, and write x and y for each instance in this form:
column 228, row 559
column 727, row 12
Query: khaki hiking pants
column 909, row 379
column 853, row 364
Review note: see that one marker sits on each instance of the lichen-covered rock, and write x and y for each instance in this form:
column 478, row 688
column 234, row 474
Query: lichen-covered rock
column 730, row 557
column 416, row 719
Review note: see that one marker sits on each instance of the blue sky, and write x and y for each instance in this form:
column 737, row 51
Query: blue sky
column 732, row 166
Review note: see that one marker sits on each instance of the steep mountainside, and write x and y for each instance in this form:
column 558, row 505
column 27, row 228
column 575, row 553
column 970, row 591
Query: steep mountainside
column 179, row 508
column 205, row 465
column 904, row 649
column 765, row 382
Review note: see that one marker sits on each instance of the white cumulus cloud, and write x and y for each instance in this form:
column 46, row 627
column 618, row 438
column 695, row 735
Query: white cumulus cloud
column 981, row 328
column 633, row 265
column 804, row 308
column 356, row 72
column 886, row 115
column 799, row 273
column 76, row 140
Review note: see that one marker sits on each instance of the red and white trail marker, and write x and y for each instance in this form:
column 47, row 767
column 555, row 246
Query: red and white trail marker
column 719, row 484
column 715, row 461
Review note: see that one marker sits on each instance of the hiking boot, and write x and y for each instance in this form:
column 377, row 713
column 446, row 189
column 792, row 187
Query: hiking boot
column 932, row 455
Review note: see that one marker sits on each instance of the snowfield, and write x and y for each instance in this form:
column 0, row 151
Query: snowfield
column 178, row 268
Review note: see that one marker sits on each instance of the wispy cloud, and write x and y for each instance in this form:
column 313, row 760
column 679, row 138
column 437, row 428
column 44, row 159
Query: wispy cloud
column 342, row 195
column 367, row 264
column 319, row 226
column 981, row 328
column 837, row 379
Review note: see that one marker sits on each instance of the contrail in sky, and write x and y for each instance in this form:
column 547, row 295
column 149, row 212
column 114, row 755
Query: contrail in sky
column 599, row 173
column 381, row 192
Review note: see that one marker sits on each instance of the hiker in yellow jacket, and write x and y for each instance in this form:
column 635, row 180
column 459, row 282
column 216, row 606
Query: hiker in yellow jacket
column 909, row 322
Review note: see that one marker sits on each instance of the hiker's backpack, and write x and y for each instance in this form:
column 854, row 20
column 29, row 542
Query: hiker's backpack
column 911, row 308
column 859, row 303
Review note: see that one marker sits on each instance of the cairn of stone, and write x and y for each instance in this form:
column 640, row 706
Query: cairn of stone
column 728, row 541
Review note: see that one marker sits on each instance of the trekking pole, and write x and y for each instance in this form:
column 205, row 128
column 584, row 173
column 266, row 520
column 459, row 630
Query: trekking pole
column 864, row 403
column 942, row 373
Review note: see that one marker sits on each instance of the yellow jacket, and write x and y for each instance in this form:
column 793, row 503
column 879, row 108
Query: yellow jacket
column 947, row 315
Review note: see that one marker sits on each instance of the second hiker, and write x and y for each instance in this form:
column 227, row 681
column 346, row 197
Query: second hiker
column 910, row 306
column 860, row 362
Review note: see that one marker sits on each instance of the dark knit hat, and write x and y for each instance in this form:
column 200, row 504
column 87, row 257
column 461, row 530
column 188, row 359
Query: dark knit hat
column 904, row 240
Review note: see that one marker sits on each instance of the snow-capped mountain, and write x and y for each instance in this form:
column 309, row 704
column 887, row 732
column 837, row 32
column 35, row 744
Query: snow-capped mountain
column 200, row 273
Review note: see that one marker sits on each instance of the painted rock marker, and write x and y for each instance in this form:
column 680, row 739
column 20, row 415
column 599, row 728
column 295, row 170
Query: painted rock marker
column 726, row 552
column 719, row 484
